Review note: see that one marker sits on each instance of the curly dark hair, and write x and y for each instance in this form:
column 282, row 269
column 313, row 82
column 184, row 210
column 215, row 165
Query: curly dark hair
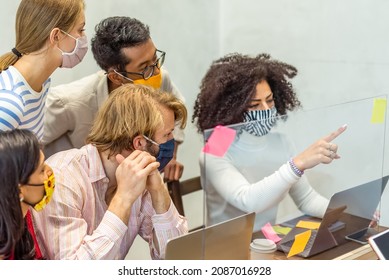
column 112, row 35
column 230, row 83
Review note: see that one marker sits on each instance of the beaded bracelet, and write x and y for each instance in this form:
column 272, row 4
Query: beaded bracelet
column 295, row 169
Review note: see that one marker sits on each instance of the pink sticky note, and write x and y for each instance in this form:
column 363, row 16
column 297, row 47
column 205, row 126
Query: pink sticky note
column 219, row 141
column 269, row 233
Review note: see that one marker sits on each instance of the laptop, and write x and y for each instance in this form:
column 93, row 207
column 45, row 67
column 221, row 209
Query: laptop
column 348, row 211
column 229, row 240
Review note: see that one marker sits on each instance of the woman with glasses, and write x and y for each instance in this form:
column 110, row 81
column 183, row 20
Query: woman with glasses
column 49, row 35
column 260, row 168
column 26, row 184
column 125, row 52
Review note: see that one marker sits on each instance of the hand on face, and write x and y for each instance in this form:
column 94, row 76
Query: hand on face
column 133, row 172
column 322, row 151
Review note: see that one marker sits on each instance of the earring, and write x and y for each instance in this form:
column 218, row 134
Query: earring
column 20, row 192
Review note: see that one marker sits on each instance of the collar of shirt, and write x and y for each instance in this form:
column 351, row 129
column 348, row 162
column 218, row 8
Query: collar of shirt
column 96, row 168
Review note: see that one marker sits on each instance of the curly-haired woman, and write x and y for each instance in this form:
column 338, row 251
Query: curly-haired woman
column 257, row 171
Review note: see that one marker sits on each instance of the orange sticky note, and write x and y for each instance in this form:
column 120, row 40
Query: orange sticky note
column 219, row 141
column 269, row 233
column 300, row 241
column 308, row 224
column 378, row 113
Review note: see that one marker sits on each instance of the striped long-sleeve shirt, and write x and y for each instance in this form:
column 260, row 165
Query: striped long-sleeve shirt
column 21, row 106
column 76, row 224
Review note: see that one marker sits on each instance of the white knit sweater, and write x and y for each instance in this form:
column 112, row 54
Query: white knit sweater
column 254, row 176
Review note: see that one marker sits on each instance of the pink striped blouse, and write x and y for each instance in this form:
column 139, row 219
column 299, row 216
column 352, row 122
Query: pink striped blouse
column 76, row 223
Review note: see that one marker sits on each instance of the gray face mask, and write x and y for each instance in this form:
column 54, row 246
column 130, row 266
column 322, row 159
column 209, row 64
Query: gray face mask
column 259, row 122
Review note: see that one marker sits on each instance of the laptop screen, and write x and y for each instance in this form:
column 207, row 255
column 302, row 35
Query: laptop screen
column 348, row 212
column 227, row 240
column 361, row 204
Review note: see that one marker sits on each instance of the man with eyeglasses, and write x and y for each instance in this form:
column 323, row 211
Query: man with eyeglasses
column 125, row 52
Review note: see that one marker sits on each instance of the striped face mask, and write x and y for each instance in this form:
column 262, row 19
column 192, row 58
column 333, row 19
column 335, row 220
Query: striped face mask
column 260, row 122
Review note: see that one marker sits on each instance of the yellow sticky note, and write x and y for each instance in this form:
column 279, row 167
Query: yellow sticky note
column 300, row 241
column 281, row 230
column 379, row 108
column 308, row 224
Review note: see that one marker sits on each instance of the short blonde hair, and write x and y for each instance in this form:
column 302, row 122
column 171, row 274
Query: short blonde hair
column 35, row 19
column 174, row 104
column 129, row 111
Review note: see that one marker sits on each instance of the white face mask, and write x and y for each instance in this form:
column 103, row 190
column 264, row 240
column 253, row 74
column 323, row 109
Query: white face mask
column 260, row 122
column 71, row 59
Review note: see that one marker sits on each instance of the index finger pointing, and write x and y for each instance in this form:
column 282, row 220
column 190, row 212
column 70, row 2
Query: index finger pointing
column 335, row 134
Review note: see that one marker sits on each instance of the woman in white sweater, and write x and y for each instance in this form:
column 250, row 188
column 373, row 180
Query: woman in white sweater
column 257, row 171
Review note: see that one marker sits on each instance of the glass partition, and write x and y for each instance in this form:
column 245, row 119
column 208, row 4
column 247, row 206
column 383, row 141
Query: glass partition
column 246, row 167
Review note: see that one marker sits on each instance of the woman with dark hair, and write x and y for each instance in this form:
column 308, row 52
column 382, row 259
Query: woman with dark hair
column 256, row 172
column 25, row 182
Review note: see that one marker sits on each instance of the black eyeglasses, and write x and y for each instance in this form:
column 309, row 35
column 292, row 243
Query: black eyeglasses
column 149, row 70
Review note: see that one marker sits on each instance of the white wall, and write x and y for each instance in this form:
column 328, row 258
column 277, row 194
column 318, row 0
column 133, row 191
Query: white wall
column 340, row 48
column 341, row 51
column 186, row 30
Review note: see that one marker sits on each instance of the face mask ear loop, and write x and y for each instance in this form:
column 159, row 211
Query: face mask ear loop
column 124, row 77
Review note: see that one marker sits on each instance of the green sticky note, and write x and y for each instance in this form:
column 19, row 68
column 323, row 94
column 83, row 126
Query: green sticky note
column 281, row 230
column 378, row 113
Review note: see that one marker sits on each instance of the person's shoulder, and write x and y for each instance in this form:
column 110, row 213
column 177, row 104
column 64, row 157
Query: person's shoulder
column 5, row 77
column 207, row 156
column 77, row 165
column 10, row 71
column 10, row 98
column 67, row 160
column 11, row 79
column 165, row 75
column 165, row 71
column 78, row 88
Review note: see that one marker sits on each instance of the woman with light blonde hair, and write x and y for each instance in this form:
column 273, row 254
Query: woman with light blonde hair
column 49, row 34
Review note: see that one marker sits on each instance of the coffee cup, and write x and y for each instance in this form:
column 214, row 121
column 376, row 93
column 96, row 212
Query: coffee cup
column 262, row 249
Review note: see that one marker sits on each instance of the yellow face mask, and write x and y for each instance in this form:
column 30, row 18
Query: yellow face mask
column 49, row 190
column 153, row 81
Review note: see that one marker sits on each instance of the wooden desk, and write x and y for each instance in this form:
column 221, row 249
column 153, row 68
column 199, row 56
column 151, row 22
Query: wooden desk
column 362, row 253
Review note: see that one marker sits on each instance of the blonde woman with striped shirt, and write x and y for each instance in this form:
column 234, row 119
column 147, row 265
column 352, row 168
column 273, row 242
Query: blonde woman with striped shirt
column 49, row 34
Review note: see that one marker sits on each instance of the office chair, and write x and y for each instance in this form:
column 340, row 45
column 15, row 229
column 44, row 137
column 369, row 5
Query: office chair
column 179, row 188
